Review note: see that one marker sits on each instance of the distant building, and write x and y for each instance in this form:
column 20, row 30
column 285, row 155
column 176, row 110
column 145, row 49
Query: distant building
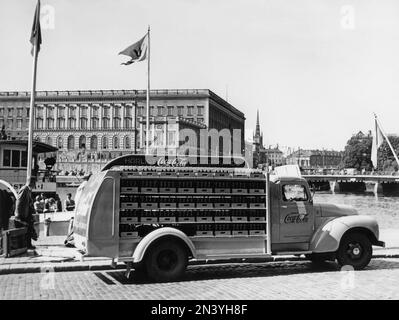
column 90, row 127
column 315, row 159
column 264, row 156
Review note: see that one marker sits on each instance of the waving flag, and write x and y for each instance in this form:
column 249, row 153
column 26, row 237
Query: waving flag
column 36, row 34
column 137, row 51
column 377, row 142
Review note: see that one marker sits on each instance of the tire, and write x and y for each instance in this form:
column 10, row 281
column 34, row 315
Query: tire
column 140, row 270
column 166, row 261
column 355, row 250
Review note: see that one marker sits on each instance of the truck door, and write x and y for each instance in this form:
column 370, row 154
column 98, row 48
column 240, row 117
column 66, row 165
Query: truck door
column 296, row 214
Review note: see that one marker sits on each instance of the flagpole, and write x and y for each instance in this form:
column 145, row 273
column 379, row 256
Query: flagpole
column 386, row 138
column 148, row 96
column 31, row 115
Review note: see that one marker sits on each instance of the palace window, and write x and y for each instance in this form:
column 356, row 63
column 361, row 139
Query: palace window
column 50, row 112
column 1, row 112
column 128, row 111
column 106, row 111
column 60, row 143
column 127, row 143
column 117, row 123
column 160, row 111
column 180, row 110
column 105, row 124
column 60, row 123
column 19, row 123
column 128, row 123
column 190, row 110
column 19, row 112
column 83, row 123
column 82, row 142
column 117, row 112
column 170, row 110
column 49, row 140
column 94, row 112
column 94, row 123
column 71, row 123
column 72, row 112
column 93, row 143
column 39, row 124
column 83, row 111
column 50, row 123
column 104, row 143
column 10, row 112
column 61, row 112
column 116, row 143
column 200, row 110
column 71, row 143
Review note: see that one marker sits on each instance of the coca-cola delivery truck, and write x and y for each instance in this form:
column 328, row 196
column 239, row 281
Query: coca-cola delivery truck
column 157, row 213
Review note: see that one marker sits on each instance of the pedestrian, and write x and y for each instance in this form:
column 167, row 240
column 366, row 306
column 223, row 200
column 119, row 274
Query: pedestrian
column 58, row 203
column 38, row 205
column 69, row 203
column 25, row 210
column 6, row 209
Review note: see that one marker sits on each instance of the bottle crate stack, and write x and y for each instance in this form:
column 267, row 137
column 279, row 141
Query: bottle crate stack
column 201, row 204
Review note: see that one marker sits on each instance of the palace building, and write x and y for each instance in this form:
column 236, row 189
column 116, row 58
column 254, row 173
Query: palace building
column 90, row 127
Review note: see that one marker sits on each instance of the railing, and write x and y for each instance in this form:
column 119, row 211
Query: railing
column 103, row 92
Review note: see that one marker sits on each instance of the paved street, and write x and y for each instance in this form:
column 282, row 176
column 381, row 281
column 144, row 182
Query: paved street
column 277, row 280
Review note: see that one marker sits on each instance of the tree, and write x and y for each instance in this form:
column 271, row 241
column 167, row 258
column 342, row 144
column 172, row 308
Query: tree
column 357, row 153
column 385, row 159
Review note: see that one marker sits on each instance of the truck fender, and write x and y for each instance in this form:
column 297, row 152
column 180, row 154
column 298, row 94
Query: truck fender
column 153, row 236
column 327, row 238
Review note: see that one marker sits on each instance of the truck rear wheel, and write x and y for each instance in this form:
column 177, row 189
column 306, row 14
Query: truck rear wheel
column 355, row 250
column 166, row 261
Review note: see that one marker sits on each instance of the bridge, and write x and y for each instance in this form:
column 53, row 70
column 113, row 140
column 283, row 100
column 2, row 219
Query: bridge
column 376, row 183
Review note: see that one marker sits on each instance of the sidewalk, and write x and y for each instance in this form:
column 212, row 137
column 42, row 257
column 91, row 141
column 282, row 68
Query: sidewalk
column 52, row 255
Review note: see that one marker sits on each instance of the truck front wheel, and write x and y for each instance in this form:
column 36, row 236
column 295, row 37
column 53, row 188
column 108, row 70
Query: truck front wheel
column 355, row 250
column 166, row 261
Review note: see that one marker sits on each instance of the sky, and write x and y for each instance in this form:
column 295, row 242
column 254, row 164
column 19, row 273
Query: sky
column 315, row 69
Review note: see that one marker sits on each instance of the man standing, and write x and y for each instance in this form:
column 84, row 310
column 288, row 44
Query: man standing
column 24, row 211
column 69, row 203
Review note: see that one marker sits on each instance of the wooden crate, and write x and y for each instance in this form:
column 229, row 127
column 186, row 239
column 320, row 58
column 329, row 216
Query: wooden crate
column 129, row 219
column 129, row 190
column 14, row 242
column 129, row 205
column 132, row 234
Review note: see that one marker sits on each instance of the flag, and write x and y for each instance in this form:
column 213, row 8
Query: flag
column 377, row 142
column 36, row 35
column 137, row 51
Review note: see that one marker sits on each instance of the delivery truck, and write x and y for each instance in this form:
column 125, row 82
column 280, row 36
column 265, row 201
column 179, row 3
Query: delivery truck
column 157, row 213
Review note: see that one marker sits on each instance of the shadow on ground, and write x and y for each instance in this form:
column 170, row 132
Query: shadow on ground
column 245, row 270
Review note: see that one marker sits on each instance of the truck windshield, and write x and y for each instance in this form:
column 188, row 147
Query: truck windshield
column 294, row 192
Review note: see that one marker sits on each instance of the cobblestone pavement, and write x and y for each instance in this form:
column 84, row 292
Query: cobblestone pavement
column 277, row 280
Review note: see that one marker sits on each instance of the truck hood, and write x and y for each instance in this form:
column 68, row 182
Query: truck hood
column 336, row 210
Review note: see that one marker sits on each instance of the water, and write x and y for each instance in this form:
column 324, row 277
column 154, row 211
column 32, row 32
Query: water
column 384, row 208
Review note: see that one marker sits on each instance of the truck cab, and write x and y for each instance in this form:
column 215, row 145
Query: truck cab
column 157, row 217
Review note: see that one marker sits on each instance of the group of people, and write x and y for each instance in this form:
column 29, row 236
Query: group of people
column 43, row 204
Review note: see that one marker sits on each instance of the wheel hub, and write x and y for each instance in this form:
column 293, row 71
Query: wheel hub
column 354, row 251
column 167, row 260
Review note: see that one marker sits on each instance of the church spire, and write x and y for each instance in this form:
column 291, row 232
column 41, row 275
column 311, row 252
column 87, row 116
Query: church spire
column 257, row 131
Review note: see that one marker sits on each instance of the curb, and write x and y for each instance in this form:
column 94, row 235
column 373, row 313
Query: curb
column 78, row 266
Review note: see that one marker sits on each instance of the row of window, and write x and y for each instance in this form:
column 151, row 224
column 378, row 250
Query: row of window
column 71, row 123
column 15, row 158
column 84, row 142
column 72, row 111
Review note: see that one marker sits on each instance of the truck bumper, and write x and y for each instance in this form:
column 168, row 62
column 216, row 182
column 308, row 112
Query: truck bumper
column 379, row 244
